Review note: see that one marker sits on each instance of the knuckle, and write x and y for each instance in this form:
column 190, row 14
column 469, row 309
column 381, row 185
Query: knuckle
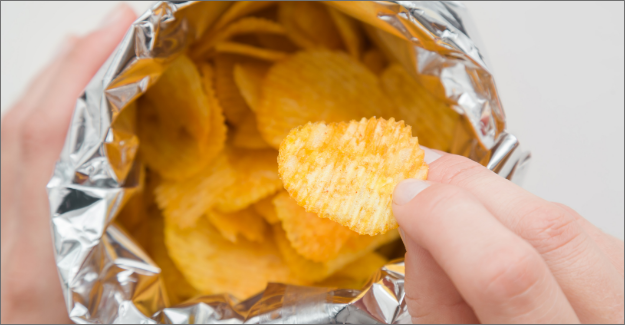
column 458, row 170
column 443, row 198
column 508, row 274
column 550, row 228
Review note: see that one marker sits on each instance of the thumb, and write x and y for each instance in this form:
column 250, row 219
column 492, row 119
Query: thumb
column 430, row 294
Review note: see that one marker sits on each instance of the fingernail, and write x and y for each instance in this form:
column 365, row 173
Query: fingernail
column 407, row 190
column 430, row 155
column 113, row 17
column 66, row 45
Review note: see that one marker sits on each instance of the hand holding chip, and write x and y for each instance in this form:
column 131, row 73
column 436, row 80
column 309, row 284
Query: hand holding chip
column 481, row 249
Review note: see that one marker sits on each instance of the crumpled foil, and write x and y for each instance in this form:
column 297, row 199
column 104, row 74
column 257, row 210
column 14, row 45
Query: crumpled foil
column 107, row 278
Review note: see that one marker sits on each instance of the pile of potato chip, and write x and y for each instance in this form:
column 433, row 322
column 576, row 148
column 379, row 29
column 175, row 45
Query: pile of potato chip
column 213, row 211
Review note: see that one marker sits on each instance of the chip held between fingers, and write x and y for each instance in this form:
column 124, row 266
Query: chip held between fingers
column 346, row 172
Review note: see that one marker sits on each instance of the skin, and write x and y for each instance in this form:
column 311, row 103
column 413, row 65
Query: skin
column 33, row 133
column 482, row 249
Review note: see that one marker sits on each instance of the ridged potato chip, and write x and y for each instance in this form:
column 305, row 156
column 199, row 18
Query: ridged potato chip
column 256, row 176
column 346, row 172
column 246, row 223
column 432, row 120
column 251, row 51
column 177, row 287
column 234, row 106
column 213, row 265
column 237, row 10
column 184, row 202
column 181, row 127
column 240, row 9
column 247, row 25
column 309, row 25
column 247, row 136
column 276, row 42
column 312, row 237
column 350, row 31
column 356, row 247
column 142, row 219
column 248, row 77
column 355, row 274
column 315, row 86
column 375, row 60
column 267, row 210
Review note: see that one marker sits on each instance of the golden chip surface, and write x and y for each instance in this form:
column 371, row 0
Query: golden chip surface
column 356, row 247
column 431, row 119
column 246, row 223
column 312, row 237
column 346, row 172
column 256, row 176
column 318, row 85
column 184, row 202
column 213, row 264
column 266, row 209
column 179, row 142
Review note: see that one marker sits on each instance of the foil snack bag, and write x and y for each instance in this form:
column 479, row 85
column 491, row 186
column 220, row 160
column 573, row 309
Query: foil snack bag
column 106, row 274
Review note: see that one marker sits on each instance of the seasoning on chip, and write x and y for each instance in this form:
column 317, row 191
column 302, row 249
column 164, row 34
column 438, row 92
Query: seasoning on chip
column 347, row 171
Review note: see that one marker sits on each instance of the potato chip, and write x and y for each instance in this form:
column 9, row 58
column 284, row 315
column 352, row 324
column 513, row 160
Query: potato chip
column 355, row 274
column 184, row 202
column 276, row 42
column 181, row 127
column 247, row 25
column 375, row 60
column 432, row 120
column 247, row 136
column 240, row 9
column 267, row 210
column 177, row 287
column 350, row 31
column 312, row 237
column 309, row 25
column 213, row 265
column 237, row 10
column 356, row 247
column 315, row 86
column 251, row 51
column 256, row 176
column 346, row 172
column 234, row 105
column 246, row 223
column 248, row 76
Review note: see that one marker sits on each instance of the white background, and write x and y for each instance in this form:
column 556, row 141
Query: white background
column 558, row 68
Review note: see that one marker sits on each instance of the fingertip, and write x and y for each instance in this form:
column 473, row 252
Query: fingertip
column 430, row 155
column 407, row 189
column 121, row 16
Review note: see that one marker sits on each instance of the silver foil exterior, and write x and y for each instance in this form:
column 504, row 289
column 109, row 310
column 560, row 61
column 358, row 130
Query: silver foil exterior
column 107, row 278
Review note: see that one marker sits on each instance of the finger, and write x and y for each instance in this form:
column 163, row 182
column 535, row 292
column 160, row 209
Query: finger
column 498, row 274
column 44, row 132
column 583, row 270
column 11, row 123
column 611, row 246
column 431, row 296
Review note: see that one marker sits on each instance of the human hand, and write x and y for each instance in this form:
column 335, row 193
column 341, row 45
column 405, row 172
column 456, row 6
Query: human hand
column 482, row 249
column 33, row 133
